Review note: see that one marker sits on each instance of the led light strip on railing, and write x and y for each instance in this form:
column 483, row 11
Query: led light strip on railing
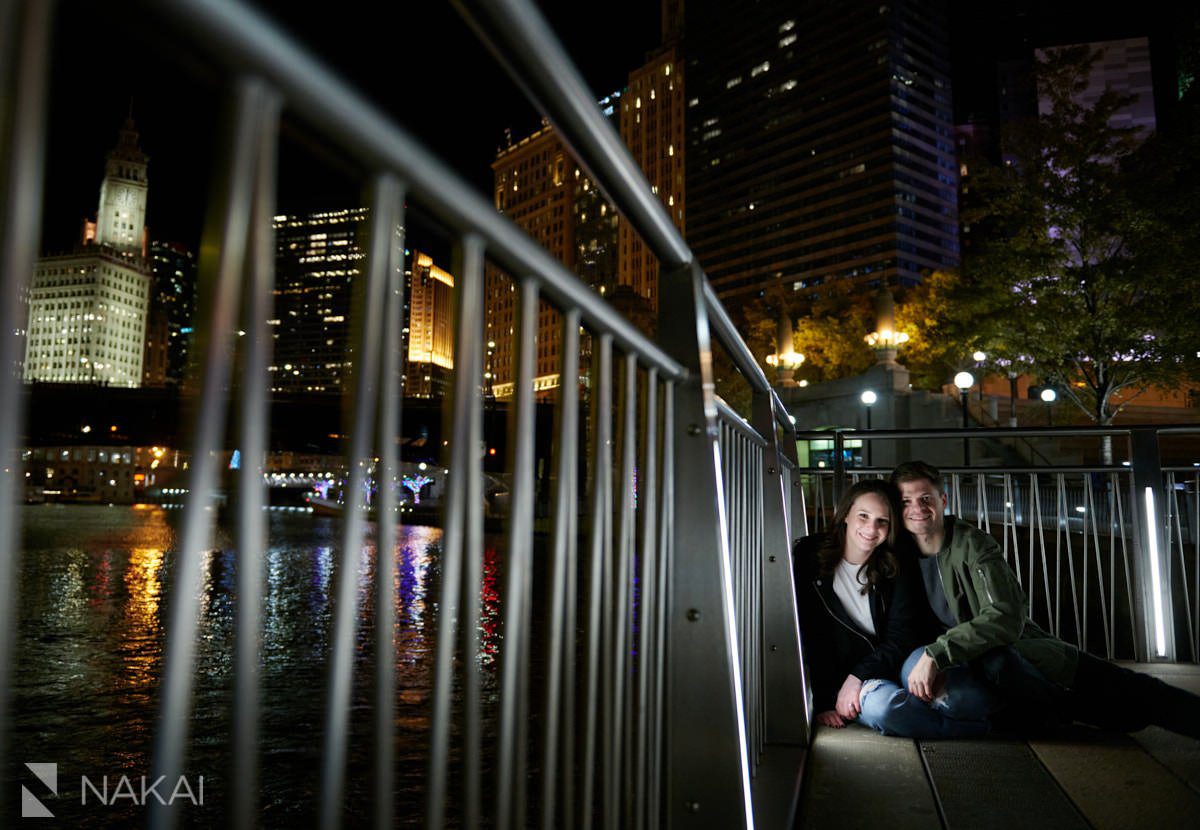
column 1160, row 631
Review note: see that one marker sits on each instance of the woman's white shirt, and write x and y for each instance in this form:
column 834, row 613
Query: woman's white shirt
column 848, row 589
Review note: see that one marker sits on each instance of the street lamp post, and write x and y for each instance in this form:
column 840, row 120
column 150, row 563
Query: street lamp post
column 786, row 359
column 979, row 357
column 868, row 398
column 1049, row 396
column 964, row 381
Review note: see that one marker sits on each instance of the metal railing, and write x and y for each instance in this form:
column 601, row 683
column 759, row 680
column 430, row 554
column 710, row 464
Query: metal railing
column 1109, row 556
column 672, row 655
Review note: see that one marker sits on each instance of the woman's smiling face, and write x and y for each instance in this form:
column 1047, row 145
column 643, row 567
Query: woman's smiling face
column 867, row 526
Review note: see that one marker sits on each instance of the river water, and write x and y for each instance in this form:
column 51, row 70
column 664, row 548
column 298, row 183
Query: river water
column 93, row 587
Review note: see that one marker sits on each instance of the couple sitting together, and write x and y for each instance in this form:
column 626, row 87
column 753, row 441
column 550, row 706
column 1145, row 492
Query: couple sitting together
column 937, row 609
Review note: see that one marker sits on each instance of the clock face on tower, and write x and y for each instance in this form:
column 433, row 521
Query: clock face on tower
column 123, row 197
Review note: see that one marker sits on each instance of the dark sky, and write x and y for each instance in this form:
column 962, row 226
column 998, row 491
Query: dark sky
column 419, row 63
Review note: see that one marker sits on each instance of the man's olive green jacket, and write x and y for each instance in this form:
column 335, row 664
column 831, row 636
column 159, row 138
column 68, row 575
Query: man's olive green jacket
column 991, row 608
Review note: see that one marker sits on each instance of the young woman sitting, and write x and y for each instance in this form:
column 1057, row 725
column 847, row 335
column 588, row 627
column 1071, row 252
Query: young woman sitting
column 862, row 612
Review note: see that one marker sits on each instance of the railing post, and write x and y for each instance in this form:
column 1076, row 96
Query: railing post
column 1153, row 619
column 839, row 464
column 24, row 34
column 708, row 776
column 783, row 679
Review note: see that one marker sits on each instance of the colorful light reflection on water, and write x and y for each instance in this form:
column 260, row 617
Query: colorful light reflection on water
column 94, row 584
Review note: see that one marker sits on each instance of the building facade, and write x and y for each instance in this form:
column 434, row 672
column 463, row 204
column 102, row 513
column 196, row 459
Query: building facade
column 652, row 127
column 1123, row 67
column 820, row 150
column 536, row 182
column 88, row 308
column 429, row 351
column 174, row 300
column 318, row 257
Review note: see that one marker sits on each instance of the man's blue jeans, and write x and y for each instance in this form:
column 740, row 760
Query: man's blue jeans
column 961, row 709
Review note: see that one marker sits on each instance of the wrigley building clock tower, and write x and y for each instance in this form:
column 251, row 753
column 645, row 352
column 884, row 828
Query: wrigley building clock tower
column 121, row 217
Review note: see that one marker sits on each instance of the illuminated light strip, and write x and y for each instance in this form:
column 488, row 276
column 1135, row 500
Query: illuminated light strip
column 731, row 637
column 1160, row 632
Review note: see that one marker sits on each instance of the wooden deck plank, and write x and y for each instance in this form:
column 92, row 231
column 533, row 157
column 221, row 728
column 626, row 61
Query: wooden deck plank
column 1116, row 784
column 858, row 778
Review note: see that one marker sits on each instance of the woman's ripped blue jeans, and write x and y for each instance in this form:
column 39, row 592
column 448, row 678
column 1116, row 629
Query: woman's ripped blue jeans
column 961, row 709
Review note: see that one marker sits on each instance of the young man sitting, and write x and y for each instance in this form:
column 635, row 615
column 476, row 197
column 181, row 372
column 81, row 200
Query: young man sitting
column 978, row 600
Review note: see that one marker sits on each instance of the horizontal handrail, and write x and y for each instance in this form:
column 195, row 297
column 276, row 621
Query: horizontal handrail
column 250, row 43
column 728, row 416
column 519, row 38
column 997, row 432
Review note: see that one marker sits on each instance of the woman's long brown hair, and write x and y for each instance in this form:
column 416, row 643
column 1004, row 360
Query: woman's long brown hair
column 882, row 563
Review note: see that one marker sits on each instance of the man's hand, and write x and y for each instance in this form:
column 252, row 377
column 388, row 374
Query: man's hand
column 847, row 700
column 925, row 680
column 831, row 719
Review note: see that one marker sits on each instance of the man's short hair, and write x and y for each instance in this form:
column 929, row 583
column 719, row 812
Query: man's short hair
column 913, row 470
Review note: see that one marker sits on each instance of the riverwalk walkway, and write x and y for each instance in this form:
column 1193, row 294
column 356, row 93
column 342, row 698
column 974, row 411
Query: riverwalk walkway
column 1074, row 778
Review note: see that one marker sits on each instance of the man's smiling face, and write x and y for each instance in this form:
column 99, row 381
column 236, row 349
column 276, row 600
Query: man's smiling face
column 923, row 507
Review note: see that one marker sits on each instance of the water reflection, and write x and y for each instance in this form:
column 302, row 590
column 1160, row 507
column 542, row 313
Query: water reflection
column 93, row 587
column 143, row 587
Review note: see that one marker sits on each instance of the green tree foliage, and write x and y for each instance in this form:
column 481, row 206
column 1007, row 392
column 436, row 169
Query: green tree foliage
column 831, row 336
column 829, row 332
column 1072, row 264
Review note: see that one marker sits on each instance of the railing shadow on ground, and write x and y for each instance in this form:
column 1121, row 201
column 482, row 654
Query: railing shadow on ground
column 672, row 656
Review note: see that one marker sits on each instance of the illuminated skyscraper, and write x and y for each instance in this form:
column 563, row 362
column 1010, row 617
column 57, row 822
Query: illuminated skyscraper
column 429, row 353
column 820, row 144
column 539, row 186
column 652, row 127
column 317, row 259
column 88, row 308
column 174, row 296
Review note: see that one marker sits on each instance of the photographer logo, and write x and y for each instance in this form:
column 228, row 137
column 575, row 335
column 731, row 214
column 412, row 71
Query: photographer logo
column 47, row 775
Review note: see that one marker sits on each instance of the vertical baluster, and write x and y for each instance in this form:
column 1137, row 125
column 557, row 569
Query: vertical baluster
column 464, row 493
column 472, row 270
column 1195, row 526
column 571, row 586
column 1010, row 527
column 1128, row 575
column 1065, row 514
column 520, row 556
column 1173, row 502
column 663, row 575
column 1105, row 608
column 1113, row 531
column 599, row 542
column 648, row 504
column 388, row 202
column 622, row 616
column 371, row 301
column 758, row 484
column 560, row 640
column 25, row 29
column 223, row 255
column 254, row 426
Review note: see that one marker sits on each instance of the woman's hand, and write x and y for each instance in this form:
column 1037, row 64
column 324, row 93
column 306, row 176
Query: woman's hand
column 847, row 700
column 831, row 718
